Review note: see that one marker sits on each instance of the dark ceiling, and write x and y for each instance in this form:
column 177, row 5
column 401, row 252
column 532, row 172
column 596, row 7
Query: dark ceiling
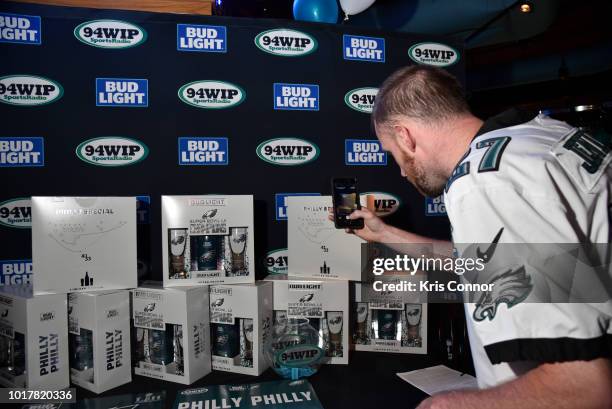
column 560, row 52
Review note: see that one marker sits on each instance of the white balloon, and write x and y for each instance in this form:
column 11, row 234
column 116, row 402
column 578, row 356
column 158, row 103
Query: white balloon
column 352, row 7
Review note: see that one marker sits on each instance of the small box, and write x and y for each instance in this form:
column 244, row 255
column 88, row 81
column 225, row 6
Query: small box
column 83, row 244
column 172, row 338
column 315, row 247
column 207, row 240
column 240, row 321
column 389, row 321
column 33, row 339
column 325, row 303
column 99, row 339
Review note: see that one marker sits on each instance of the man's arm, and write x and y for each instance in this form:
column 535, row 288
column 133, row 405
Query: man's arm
column 376, row 230
column 566, row 385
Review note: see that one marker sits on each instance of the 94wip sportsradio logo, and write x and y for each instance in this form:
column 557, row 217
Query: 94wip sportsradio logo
column 110, row 34
column 24, row 90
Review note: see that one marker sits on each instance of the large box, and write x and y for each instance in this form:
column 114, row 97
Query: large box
column 99, row 339
column 325, row 303
column 207, row 240
column 240, row 321
column 316, row 249
column 33, row 339
column 172, row 338
column 389, row 321
column 297, row 394
column 83, row 244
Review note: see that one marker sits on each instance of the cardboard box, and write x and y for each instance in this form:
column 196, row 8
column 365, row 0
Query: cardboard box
column 325, row 303
column 33, row 339
column 389, row 321
column 172, row 338
column 99, row 339
column 240, row 321
column 277, row 394
column 316, row 248
column 207, row 240
column 83, row 244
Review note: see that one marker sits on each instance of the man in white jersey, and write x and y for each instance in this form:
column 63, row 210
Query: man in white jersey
column 510, row 179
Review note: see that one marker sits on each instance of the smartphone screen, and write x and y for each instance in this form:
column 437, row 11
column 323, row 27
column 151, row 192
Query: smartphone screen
column 346, row 200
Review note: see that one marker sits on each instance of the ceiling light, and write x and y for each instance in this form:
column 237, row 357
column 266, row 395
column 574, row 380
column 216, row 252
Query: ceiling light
column 526, row 7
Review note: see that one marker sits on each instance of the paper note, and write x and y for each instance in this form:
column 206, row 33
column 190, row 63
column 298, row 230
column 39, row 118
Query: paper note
column 438, row 379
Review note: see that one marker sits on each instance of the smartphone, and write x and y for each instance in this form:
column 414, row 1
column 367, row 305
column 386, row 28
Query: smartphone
column 345, row 199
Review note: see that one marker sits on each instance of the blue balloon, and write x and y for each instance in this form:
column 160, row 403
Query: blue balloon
column 321, row 11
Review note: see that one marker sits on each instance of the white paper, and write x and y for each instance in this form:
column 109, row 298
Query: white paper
column 438, row 379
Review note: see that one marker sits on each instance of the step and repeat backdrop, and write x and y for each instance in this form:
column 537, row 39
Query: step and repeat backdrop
column 112, row 103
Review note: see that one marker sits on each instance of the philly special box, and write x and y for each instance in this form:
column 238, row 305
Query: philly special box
column 315, row 247
column 389, row 321
column 33, row 339
column 240, row 321
column 83, row 244
column 207, row 240
column 99, row 339
column 171, row 337
column 325, row 303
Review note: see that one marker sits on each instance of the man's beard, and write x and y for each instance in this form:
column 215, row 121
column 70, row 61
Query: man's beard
column 427, row 183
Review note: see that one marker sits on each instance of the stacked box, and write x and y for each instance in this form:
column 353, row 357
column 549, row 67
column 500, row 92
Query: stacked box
column 316, row 249
column 389, row 321
column 240, row 322
column 325, row 303
column 171, row 333
column 99, row 339
column 83, row 244
column 33, row 339
column 207, row 240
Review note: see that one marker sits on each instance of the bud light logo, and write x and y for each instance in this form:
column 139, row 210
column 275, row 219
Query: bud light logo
column 122, row 92
column 434, row 206
column 383, row 204
column 143, row 209
column 20, row 29
column 15, row 272
column 359, row 48
column 297, row 97
column 207, row 39
column 439, row 55
column 277, row 261
column 364, row 152
column 29, row 90
column 211, row 94
column 112, row 151
column 16, row 213
column 203, row 151
column 286, row 42
column 110, row 34
column 287, row 151
column 22, row 152
column 281, row 203
column 361, row 99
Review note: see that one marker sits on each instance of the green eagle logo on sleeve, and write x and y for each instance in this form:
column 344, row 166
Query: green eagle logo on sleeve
column 509, row 288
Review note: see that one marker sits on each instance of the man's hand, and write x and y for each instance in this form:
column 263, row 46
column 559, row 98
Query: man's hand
column 373, row 226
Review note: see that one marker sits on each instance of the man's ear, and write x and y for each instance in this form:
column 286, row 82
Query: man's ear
column 405, row 139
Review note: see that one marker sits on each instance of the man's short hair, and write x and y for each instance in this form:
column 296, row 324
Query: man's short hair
column 422, row 92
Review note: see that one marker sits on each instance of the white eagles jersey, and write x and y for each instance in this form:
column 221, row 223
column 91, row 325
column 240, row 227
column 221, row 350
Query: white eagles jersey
column 540, row 181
